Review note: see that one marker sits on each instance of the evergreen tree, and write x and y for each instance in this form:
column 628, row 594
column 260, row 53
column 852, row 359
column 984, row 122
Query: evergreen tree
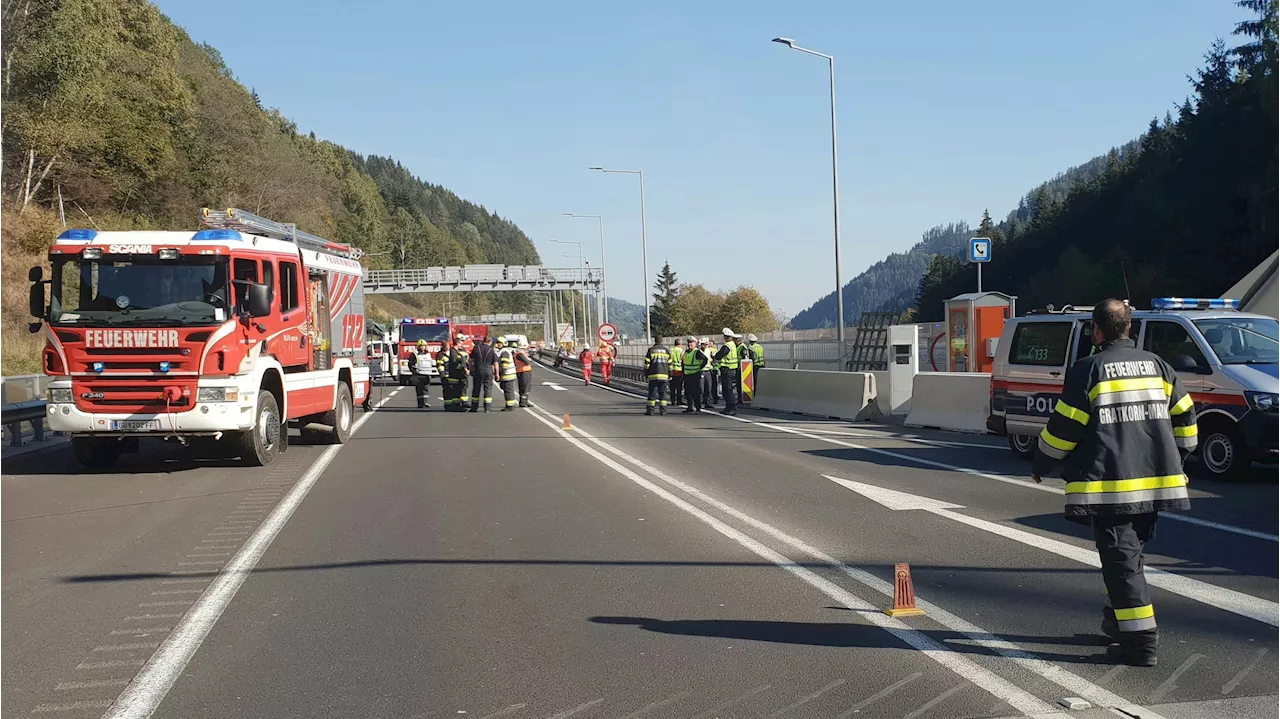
column 664, row 302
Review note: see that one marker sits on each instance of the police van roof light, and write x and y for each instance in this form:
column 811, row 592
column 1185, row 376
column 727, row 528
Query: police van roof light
column 1194, row 303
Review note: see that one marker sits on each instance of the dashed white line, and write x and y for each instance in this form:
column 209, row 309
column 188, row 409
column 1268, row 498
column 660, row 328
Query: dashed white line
column 201, row 580
column 1239, row 677
column 179, row 603
column 140, row 630
column 90, row 684
column 146, row 617
column 126, row 647
column 505, row 712
column 72, row 706
column 880, row 695
column 86, row 666
column 934, row 701
column 141, row 698
column 1171, row 683
column 577, row 710
column 715, row 710
column 656, row 705
column 806, row 699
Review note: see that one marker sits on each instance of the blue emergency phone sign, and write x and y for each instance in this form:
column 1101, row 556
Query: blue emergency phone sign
column 980, row 249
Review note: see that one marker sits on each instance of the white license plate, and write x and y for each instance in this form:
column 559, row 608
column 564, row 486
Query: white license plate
column 135, row 425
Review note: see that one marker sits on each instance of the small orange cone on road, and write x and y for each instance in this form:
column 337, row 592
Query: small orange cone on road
column 566, row 424
column 904, row 595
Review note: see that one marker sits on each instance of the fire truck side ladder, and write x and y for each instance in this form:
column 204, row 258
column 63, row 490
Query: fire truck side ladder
column 241, row 221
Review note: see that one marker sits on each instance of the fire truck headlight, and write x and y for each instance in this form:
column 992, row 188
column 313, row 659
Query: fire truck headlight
column 168, row 253
column 218, row 394
column 91, row 253
column 60, row 395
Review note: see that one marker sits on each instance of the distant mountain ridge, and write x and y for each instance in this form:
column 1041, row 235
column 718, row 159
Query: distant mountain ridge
column 891, row 284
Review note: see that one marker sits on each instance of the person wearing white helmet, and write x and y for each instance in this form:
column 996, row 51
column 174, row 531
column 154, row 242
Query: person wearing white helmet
column 756, row 353
column 727, row 362
column 693, row 361
column 419, row 362
column 524, row 371
column 708, row 374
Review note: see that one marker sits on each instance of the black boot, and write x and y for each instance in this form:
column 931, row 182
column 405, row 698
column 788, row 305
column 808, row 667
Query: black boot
column 1135, row 649
column 1109, row 625
column 648, row 411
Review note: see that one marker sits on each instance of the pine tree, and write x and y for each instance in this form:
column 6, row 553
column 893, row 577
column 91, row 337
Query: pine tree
column 664, row 302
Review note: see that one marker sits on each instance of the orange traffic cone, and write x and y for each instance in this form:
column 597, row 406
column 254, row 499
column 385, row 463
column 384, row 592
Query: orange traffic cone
column 565, row 424
column 904, row 595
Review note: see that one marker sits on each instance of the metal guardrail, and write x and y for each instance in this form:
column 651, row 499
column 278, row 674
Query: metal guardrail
column 22, row 399
column 482, row 278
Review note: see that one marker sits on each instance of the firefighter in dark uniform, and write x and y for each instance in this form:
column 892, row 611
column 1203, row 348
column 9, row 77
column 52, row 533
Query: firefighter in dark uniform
column 726, row 362
column 506, row 373
column 657, row 367
column 419, row 361
column 694, row 361
column 524, row 373
column 483, row 364
column 452, row 365
column 1120, row 433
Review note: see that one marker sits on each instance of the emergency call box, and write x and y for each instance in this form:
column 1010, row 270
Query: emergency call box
column 974, row 323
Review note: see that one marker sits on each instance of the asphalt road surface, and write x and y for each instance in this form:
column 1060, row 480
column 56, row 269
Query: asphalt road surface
column 497, row 565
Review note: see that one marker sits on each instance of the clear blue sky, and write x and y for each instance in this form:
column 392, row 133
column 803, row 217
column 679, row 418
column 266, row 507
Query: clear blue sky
column 944, row 108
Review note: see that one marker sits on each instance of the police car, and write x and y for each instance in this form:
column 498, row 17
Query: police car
column 1227, row 360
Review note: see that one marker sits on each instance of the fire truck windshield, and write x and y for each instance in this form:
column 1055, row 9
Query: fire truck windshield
column 139, row 291
column 410, row 334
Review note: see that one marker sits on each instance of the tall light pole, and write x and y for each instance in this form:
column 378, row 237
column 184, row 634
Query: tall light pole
column 603, row 308
column 573, row 295
column 835, row 181
column 644, row 239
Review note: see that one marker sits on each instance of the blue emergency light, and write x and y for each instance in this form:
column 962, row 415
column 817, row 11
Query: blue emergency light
column 98, row 366
column 1193, row 303
column 83, row 235
column 164, row 366
column 216, row 235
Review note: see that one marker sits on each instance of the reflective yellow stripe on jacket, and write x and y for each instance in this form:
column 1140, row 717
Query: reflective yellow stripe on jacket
column 1127, row 491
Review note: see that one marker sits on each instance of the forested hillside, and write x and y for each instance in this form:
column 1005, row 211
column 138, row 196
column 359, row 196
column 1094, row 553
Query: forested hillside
column 1188, row 213
column 115, row 115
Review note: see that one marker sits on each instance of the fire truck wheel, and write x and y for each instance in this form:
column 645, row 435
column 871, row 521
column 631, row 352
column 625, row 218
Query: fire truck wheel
column 340, row 417
column 94, row 453
column 259, row 446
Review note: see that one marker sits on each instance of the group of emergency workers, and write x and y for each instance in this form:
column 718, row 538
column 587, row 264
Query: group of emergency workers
column 698, row 374
column 503, row 359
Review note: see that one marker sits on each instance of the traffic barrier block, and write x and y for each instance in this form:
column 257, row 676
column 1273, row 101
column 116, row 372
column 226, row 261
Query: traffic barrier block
column 959, row 401
column 904, row 594
column 838, row 395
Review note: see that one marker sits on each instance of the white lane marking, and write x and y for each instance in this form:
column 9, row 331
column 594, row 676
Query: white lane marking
column 166, row 604
column 1239, row 677
column 90, row 684
column 936, row 700
column 655, row 705
column 111, row 664
column 144, row 694
column 1054, row 673
column 175, row 591
column 209, row 554
column 1111, row 674
column 1027, row 484
column 1171, row 683
column 913, row 440
column 881, row 695
column 806, row 699
column 997, row 686
column 554, row 386
column 72, row 706
column 715, row 710
column 505, row 712
column 202, row 580
column 149, row 617
column 1228, row 600
column 578, row 709
column 139, row 630
column 126, row 647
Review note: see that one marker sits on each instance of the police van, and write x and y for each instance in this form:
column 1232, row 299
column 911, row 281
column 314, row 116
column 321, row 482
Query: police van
column 1226, row 359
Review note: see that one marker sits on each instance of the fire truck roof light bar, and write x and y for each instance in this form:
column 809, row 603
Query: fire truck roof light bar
column 239, row 220
column 1194, row 303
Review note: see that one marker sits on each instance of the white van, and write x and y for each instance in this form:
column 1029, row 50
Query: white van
column 1227, row 360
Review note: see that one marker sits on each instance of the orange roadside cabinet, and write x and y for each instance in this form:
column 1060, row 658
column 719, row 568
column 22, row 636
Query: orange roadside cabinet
column 974, row 323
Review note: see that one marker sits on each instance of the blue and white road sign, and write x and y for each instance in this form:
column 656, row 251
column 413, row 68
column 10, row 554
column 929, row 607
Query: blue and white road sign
column 979, row 249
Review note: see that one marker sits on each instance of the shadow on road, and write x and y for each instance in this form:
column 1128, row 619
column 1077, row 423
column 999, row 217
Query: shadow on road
column 850, row 635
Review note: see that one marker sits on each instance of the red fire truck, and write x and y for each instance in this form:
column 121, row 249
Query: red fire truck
column 218, row 339
column 432, row 330
column 474, row 333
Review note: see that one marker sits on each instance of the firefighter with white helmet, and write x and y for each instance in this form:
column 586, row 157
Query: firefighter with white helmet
column 524, row 371
column 727, row 361
column 419, row 364
column 506, row 372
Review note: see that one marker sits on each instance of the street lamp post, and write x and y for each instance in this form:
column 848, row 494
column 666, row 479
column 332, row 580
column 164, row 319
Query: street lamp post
column 644, row 239
column 573, row 293
column 835, row 181
column 603, row 306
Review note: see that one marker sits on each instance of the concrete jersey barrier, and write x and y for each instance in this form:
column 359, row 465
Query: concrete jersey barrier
column 958, row 401
column 843, row 395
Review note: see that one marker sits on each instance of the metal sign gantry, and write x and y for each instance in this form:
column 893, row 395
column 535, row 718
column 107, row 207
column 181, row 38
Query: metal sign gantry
column 481, row 278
